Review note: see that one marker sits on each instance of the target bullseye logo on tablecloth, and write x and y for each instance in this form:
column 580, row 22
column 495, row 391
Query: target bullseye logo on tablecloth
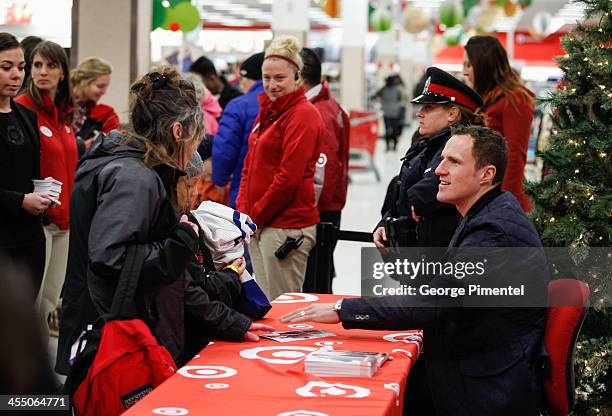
column 296, row 298
column 300, row 326
column 302, row 413
column 324, row 389
column 277, row 355
column 415, row 338
column 206, row 371
column 170, row 411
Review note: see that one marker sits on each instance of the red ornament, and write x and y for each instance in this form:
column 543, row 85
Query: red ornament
column 175, row 27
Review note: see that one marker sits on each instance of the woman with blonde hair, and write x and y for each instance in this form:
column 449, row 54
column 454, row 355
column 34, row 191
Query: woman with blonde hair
column 90, row 81
column 277, row 184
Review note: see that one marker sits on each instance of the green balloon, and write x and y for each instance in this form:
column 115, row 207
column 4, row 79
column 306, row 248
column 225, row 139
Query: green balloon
column 467, row 5
column 159, row 14
column 174, row 3
column 380, row 20
column 501, row 3
column 451, row 13
column 453, row 36
column 185, row 15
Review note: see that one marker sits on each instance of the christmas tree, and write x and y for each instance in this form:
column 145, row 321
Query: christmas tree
column 573, row 202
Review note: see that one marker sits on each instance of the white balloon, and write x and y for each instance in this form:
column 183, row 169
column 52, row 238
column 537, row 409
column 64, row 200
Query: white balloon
column 415, row 19
column 541, row 23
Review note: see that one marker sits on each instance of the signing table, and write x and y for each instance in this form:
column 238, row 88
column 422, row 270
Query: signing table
column 267, row 377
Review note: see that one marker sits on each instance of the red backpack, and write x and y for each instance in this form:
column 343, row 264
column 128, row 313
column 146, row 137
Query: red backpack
column 120, row 361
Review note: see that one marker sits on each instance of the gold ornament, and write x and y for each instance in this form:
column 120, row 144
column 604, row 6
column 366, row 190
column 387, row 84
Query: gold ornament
column 331, row 7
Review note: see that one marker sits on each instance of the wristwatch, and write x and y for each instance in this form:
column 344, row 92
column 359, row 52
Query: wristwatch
column 338, row 306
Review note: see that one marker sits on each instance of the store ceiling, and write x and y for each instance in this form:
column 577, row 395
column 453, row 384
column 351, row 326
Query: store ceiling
column 258, row 13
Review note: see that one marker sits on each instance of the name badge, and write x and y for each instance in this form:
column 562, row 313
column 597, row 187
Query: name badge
column 46, row 131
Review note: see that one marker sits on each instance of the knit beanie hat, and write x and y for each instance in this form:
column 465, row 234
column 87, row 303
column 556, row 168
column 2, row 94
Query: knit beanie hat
column 251, row 67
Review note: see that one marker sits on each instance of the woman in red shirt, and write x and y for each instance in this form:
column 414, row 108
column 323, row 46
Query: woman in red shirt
column 508, row 105
column 49, row 96
column 89, row 81
column 277, row 184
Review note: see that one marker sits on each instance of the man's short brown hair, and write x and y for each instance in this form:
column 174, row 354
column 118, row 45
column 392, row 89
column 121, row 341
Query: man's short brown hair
column 489, row 148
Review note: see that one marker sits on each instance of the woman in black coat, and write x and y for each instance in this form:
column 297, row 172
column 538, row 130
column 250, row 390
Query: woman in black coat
column 424, row 221
column 126, row 193
column 22, row 240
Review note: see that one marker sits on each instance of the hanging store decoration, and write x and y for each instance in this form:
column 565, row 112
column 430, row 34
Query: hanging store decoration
column 415, row 19
column 175, row 15
column 541, row 25
column 381, row 18
column 331, row 8
column 451, row 13
column 453, row 35
column 511, row 8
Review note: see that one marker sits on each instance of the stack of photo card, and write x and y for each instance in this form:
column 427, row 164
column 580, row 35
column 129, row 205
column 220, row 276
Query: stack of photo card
column 290, row 336
column 338, row 363
column 50, row 187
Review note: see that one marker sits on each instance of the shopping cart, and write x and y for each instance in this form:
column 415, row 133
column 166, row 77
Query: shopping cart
column 364, row 133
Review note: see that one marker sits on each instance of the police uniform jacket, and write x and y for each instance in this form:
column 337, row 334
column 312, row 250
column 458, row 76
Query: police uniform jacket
column 418, row 188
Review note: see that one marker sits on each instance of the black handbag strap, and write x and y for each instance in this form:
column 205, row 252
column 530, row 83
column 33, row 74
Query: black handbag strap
column 123, row 302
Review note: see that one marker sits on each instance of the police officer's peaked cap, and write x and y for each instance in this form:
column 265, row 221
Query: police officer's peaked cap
column 443, row 88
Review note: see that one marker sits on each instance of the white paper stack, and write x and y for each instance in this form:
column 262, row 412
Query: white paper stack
column 50, row 187
column 338, row 363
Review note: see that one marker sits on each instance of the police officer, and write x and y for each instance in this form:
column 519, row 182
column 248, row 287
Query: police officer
column 423, row 220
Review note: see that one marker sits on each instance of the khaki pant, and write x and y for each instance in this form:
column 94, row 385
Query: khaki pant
column 277, row 276
column 56, row 260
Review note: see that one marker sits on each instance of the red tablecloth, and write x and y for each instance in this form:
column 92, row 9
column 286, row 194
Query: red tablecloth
column 267, row 377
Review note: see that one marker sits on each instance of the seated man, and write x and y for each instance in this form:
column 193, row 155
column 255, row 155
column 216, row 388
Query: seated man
column 478, row 360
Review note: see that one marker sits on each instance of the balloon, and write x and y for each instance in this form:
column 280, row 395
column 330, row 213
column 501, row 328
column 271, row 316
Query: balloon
column 451, row 13
column 184, row 16
column 380, row 20
column 510, row 8
column 415, row 19
column 540, row 25
column 453, row 36
column 331, row 7
column 159, row 14
column 487, row 17
column 501, row 3
column 437, row 44
column 467, row 5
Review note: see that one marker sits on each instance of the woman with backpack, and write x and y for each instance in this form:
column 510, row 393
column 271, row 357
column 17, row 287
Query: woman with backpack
column 126, row 194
